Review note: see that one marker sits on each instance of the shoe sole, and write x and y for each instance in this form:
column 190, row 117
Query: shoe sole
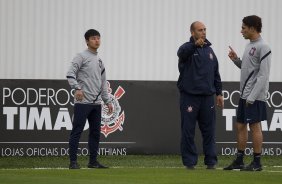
column 90, row 167
column 258, row 169
column 232, row 169
column 98, row 167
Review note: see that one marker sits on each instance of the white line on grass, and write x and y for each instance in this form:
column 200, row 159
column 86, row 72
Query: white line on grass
column 119, row 167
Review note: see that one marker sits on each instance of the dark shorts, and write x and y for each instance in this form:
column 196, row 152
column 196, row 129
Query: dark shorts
column 252, row 113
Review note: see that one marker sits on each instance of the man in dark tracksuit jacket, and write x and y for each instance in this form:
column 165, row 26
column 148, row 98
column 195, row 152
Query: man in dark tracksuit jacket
column 198, row 81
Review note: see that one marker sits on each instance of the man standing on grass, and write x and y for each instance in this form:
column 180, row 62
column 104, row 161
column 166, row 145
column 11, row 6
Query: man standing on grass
column 88, row 77
column 254, row 84
column 198, row 82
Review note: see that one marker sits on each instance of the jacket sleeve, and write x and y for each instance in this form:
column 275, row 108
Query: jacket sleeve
column 72, row 72
column 238, row 62
column 186, row 50
column 217, row 80
column 263, row 74
column 104, row 88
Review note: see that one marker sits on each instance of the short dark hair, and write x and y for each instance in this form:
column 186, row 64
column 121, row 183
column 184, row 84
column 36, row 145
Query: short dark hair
column 91, row 32
column 253, row 21
column 192, row 26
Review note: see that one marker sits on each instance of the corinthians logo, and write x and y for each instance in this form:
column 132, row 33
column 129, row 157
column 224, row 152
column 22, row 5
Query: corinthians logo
column 113, row 122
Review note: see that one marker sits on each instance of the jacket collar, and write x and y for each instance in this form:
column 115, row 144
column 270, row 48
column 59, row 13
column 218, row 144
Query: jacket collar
column 206, row 40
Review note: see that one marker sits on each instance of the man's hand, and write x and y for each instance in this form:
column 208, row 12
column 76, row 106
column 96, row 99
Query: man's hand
column 248, row 103
column 200, row 42
column 110, row 108
column 78, row 95
column 232, row 54
column 219, row 101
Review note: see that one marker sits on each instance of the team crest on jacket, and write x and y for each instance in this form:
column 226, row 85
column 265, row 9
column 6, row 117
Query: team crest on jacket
column 190, row 109
column 252, row 51
column 112, row 122
column 211, row 56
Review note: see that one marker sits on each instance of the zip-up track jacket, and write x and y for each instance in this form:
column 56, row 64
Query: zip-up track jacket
column 87, row 72
column 198, row 67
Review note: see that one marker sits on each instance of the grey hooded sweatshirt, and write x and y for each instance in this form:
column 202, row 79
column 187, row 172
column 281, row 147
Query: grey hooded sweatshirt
column 87, row 72
column 255, row 69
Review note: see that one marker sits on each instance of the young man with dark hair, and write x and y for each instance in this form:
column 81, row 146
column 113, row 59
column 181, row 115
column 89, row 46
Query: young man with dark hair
column 87, row 76
column 198, row 82
column 254, row 84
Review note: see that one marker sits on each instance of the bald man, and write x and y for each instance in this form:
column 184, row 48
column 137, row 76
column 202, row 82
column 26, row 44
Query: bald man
column 199, row 82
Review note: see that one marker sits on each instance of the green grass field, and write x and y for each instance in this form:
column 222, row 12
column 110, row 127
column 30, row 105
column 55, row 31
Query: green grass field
column 156, row 169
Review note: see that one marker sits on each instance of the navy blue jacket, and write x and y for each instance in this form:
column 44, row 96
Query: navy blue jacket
column 198, row 67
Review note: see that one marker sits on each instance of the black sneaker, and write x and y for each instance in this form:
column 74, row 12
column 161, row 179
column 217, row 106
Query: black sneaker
column 97, row 165
column 190, row 167
column 74, row 165
column 210, row 167
column 252, row 167
column 234, row 166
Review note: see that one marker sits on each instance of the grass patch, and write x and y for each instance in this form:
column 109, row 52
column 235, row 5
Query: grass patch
column 155, row 161
column 132, row 169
